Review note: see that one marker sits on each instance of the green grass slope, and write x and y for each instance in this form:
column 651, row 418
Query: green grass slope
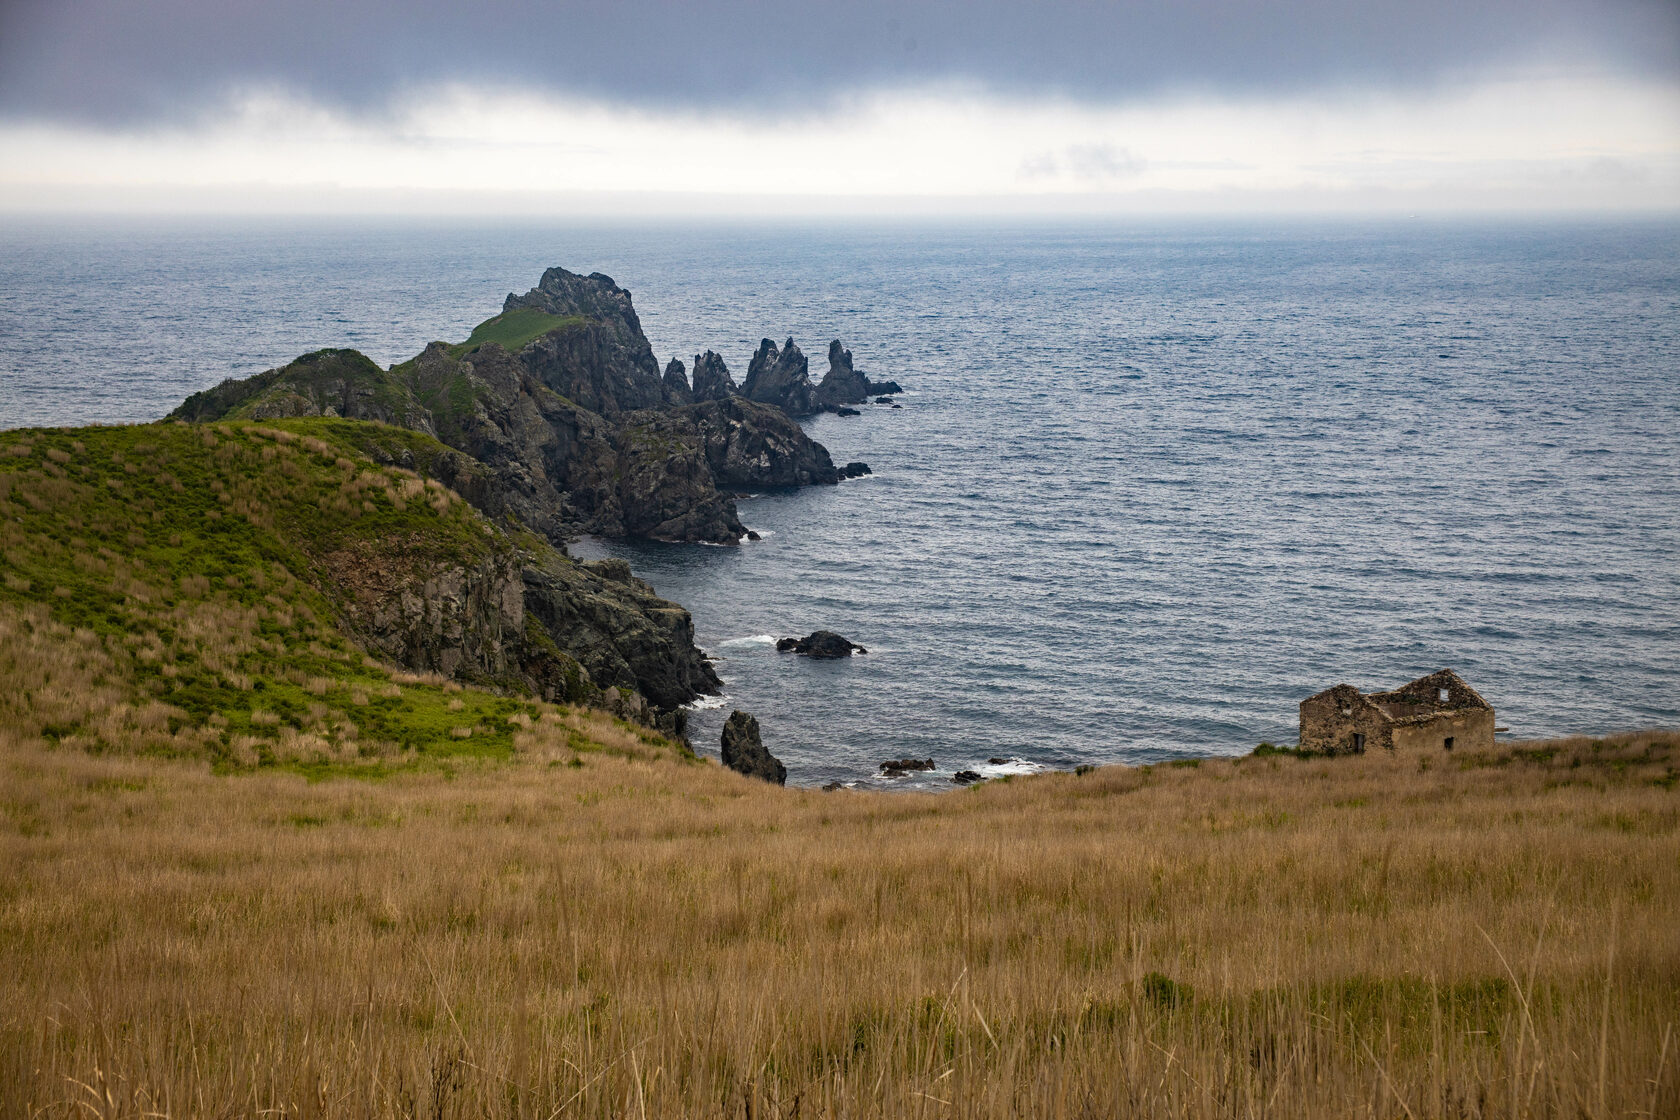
column 514, row 330
column 161, row 591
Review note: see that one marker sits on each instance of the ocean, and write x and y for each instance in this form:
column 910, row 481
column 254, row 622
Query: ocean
column 1151, row 483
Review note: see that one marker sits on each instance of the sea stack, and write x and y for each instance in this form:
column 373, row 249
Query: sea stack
column 744, row 752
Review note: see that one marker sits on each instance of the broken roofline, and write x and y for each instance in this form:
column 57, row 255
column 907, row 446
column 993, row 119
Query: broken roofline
column 1424, row 692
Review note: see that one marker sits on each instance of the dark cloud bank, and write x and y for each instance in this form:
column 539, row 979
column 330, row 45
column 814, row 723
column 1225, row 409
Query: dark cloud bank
column 122, row 61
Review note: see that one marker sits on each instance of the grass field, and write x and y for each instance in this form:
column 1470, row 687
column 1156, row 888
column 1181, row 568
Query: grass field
column 597, row 927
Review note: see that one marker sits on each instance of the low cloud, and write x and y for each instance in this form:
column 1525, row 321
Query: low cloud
column 1532, row 143
column 128, row 62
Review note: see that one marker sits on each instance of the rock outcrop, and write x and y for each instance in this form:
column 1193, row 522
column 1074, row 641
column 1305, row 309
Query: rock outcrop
column 752, row 446
column 781, row 377
column 842, row 384
column 711, row 379
column 744, row 752
column 823, row 645
column 677, row 391
column 603, row 361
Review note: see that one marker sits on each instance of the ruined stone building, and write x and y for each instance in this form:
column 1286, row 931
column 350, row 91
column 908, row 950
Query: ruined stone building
column 1437, row 712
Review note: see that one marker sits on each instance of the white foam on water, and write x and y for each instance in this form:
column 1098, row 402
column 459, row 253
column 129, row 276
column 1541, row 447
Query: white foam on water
column 750, row 640
column 1013, row 766
column 706, row 703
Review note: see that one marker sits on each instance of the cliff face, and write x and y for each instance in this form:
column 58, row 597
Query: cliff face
column 561, row 399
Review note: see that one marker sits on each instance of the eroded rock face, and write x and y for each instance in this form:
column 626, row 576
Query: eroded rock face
column 711, row 378
column 781, row 377
column 744, row 751
column 536, row 619
column 751, row 446
column 617, row 628
column 677, row 391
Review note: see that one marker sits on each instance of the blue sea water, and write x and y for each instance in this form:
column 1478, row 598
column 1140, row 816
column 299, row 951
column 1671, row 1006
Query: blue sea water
column 1151, row 483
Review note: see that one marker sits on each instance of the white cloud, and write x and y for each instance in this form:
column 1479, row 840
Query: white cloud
column 1532, row 141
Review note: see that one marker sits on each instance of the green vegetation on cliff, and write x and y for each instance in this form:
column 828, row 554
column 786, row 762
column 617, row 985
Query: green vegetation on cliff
column 514, row 330
column 183, row 591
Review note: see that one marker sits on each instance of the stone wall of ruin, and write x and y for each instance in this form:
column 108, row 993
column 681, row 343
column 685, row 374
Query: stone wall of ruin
column 1324, row 728
column 1470, row 729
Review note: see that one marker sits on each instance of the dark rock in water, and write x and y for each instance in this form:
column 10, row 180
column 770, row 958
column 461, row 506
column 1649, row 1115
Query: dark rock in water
column 824, row 645
column 842, row 384
column 883, row 400
column 883, row 387
column 966, row 777
column 676, row 384
column 781, row 378
column 856, row 469
column 711, row 378
column 898, row 767
column 898, row 406
column 744, row 752
column 997, row 761
column 847, row 412
column 832, row 786
column 752, row 536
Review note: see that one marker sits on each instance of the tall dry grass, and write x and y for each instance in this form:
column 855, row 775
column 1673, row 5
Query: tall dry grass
column 620, row 933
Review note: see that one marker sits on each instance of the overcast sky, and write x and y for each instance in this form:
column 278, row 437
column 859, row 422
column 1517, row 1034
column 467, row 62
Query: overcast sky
column 633, row 106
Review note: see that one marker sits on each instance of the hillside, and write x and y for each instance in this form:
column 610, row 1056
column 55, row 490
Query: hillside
column 617, row 933
column 270, row 593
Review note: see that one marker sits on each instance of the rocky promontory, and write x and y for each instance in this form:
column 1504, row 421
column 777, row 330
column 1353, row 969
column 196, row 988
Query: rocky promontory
column 561, row 398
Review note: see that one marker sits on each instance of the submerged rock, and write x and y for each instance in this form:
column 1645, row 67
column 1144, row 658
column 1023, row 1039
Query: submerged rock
column 847, row 412
column 966, row 777
column 898, row 767
column 824, row 645
column 856, row 469
column 744, row 751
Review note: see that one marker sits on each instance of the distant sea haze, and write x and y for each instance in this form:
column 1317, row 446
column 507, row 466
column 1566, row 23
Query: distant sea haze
column 1150, row 486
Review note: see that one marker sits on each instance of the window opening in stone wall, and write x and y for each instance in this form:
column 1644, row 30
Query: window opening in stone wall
column 1448, row 743
column 1358, row 743
column 1444, row 695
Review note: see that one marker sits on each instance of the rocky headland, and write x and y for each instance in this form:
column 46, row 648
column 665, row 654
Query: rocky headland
column 552, row 420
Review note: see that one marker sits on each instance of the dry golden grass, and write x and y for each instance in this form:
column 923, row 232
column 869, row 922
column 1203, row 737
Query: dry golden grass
column 622, row 933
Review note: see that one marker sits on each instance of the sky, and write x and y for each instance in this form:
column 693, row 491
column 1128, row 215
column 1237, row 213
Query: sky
column 747, row 107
